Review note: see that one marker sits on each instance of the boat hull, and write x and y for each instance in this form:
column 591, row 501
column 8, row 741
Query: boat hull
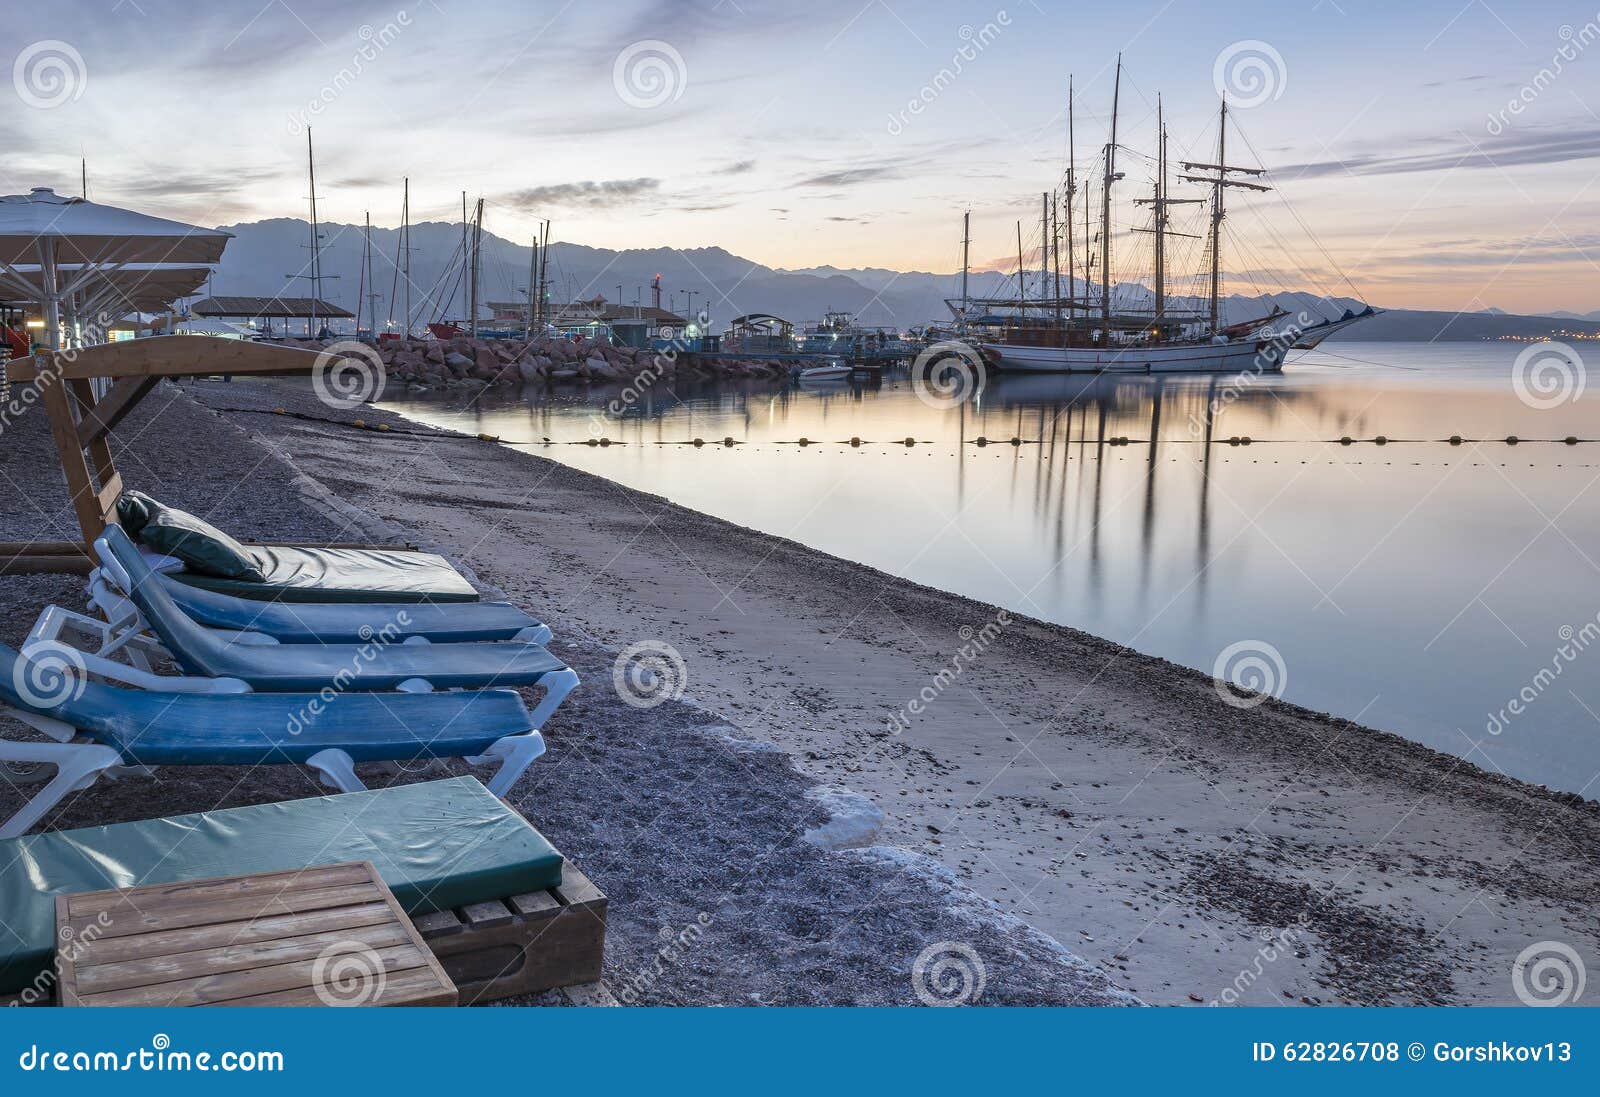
column 1254, row 355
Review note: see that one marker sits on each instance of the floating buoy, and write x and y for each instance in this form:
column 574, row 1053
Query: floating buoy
column 591, row 442
column 1234, row 440
column 1015, row 441
column 805, row 441
column 1572, row 439
column 855, row 443
column 1347, row 441
column 604, row 441
column 1455, row 439
column 487, row 438
column 982, row 441
column 1381, row 440
column 698, row 442
column 1511, row 439
column 360, row 422
column 911, row 442
column 279, row 411
column 1244, row 441
column 728, row 442
column 385, row 426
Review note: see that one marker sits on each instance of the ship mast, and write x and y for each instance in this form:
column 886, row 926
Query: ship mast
column 1071, row 187
column 477, row 264
column 966, row 250
column 1105, row 213
column 1022, row 287
column 1055, row 248
column 1161, row 211
column 1219, row 181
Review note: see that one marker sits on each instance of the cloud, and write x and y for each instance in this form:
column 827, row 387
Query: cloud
column 585, row 194
column 1509, row 150
column 850, row 177
column 738, row 167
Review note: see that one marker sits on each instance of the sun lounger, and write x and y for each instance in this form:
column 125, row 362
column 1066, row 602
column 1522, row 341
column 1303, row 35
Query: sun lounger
column 99, row 728
column 328, row 623
column 289, row 573
column 440, row 846
column 213, row 663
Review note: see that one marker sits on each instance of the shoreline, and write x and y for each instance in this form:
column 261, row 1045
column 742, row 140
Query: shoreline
column 1106, row 797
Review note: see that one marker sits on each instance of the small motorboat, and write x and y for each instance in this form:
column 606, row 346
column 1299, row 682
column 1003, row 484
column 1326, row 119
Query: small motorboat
column 834, row 369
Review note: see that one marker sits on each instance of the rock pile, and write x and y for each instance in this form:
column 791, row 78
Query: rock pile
column 470, row 363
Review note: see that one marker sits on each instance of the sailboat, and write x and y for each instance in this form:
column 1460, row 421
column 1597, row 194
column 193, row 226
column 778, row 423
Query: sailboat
column 1070, row 334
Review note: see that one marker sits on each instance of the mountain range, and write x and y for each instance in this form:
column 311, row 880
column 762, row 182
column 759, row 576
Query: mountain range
column 272, row 257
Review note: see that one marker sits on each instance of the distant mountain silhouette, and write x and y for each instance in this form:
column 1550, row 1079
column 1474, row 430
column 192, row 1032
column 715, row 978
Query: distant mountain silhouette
column 271, row 257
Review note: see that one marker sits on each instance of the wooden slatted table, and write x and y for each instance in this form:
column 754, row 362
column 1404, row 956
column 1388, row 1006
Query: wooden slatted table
column 330, row 935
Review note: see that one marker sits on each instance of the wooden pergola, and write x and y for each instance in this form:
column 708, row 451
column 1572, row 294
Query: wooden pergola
column 81, row 424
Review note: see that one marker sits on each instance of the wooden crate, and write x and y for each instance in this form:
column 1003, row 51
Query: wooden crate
column 328, row 935
column 523, row 944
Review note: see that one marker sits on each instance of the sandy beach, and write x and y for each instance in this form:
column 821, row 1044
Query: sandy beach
column 1088, row 819
column 1194, row 851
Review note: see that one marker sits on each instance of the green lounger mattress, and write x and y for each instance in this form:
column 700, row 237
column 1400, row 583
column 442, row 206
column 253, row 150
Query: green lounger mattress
column 437, row 845
column 294, row 574
column 287, row 573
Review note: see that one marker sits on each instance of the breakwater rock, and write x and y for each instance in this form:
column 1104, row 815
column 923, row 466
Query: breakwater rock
column 479, row 363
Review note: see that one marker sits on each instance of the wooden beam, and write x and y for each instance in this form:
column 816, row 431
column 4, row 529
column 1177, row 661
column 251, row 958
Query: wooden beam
column 170, row 356
column 80, row 487
column 112, row 408
column 45, row 565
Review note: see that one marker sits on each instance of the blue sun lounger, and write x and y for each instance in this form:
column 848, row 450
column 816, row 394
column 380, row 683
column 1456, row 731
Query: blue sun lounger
column 100, row 729
column 332, row 622
column 216, row 664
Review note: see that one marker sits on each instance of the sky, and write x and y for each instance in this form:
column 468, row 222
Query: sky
column 1425, row 155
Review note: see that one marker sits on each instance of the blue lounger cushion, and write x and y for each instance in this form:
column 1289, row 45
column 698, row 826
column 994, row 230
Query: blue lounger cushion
column 151, row 728
column 369, row 666
column 436, row 844
column 349, row 623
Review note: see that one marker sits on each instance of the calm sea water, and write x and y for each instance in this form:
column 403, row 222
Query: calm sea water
column 1436, row 591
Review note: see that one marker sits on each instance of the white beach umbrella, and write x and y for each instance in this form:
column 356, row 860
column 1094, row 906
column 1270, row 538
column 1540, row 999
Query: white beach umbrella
column 69, row 256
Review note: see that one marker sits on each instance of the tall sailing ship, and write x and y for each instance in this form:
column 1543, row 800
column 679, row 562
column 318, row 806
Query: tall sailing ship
column 1089, row 329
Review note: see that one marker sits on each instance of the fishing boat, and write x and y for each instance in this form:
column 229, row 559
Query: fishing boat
column 1094, row 328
